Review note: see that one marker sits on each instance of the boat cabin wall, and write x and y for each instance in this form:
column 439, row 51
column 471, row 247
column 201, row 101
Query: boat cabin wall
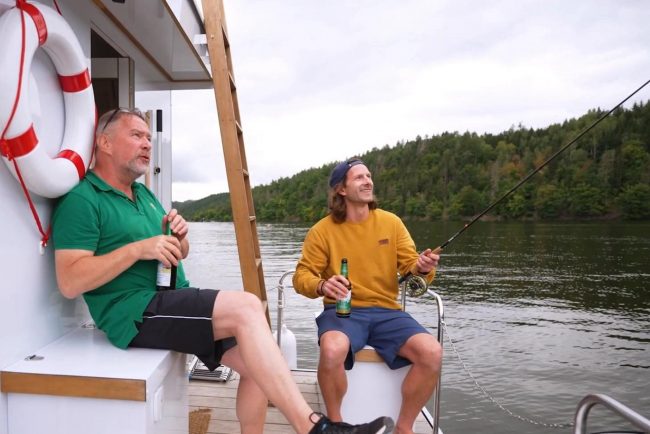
column 33, row 313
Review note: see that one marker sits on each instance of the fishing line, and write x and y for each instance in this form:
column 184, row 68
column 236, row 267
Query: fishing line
column 439, row 249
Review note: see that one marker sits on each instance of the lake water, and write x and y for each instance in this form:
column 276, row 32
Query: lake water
column 540, row 313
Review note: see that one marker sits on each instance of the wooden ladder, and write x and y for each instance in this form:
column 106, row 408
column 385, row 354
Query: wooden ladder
column 232, row 140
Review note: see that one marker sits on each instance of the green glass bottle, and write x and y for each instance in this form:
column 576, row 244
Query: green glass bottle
column 344, row 305
column 166, row 277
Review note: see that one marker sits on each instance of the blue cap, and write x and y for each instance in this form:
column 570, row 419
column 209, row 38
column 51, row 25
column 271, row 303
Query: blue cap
column 341, row 169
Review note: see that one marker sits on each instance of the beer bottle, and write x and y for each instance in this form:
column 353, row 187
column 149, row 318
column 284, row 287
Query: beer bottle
column 166, row 277
column 344, row 305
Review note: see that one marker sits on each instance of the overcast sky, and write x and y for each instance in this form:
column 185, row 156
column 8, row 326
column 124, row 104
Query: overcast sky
column 320, row 81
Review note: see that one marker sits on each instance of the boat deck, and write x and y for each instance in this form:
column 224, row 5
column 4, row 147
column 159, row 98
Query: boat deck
column 220, row 399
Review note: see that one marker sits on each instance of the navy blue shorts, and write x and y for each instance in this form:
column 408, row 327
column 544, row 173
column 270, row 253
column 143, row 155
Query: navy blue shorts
column 386, row 330
column 181, row 320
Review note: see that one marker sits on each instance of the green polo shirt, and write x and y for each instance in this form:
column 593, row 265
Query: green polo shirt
column 94, row 216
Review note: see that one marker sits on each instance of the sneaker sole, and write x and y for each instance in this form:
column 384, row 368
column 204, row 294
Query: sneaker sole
column 387, row 428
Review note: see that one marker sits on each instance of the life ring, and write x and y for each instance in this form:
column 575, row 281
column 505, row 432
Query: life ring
column 43, row 175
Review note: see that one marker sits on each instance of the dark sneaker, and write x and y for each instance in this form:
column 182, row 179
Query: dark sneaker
column 381, row 425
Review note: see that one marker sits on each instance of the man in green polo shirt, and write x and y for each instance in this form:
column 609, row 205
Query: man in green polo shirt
column 92, row 205
column 108, row 238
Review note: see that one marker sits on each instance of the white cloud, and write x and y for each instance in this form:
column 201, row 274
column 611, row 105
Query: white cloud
column 321, row 81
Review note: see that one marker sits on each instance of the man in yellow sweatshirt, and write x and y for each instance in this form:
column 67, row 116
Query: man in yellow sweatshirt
column 377, row 246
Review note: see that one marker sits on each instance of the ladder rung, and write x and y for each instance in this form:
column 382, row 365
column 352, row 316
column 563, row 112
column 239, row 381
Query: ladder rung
column 258, row 262
column 245, row 173
column 252, row 218
column 231, row 79
column 238, row 125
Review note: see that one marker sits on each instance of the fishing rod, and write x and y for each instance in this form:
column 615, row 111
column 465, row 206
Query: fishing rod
column 440, row 248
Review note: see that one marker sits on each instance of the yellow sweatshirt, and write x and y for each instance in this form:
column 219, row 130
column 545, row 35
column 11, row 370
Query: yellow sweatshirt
column 377, row 249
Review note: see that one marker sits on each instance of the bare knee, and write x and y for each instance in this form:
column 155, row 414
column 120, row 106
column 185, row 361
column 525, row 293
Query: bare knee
column 250, row 303
column 431, row 356
column 240, row 305
column 234, row 310
column 334, row 347
column 425, row 352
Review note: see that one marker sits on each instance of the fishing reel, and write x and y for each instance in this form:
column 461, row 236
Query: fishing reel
column 414, row 285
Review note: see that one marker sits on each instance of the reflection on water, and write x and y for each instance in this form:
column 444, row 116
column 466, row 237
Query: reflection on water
column 542, row 314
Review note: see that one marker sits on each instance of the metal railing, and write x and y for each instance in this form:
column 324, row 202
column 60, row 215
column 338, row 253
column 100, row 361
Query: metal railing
column 281, row 306
column 436, row 394
column 589, row 401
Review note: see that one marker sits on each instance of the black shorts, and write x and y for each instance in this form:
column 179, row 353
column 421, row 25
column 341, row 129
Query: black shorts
column 181, row 320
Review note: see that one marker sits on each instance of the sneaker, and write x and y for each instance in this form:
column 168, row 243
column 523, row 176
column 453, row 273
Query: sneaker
column 381, row 425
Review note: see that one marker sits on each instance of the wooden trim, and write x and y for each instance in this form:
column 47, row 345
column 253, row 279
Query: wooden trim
column 368, row 355
column 71, row 385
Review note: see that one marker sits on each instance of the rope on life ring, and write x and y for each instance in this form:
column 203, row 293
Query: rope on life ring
column 45, row 176
column 18, row 141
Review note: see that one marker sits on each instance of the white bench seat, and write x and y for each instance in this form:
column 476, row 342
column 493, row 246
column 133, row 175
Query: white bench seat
column 81, row 383
column 373, row 388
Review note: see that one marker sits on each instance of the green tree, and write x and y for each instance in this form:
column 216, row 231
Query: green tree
column 434, row 209
column 636, row 162
column 635, row 202
column 415, row 206
column 466, row 203
column 586, row 201
column 517, row 205
column 549, row 201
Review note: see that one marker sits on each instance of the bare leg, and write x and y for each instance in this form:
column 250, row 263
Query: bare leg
column 424, row 351
column 334, row 347
column 240, row 314
column 251, row 401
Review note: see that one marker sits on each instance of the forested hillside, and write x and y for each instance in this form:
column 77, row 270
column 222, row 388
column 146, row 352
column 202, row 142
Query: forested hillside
column 606, row 174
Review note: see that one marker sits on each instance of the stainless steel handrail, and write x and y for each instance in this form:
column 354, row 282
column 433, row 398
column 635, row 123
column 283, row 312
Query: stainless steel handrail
column 436, row 396
column 587, row 403
column 281, row 306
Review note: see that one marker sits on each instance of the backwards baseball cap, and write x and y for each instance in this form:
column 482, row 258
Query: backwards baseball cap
column 341, row 169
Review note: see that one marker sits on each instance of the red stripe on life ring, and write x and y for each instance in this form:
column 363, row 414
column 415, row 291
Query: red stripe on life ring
column 76, row 160
column 20, row 145
column 75, row 83
column 39, row 21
